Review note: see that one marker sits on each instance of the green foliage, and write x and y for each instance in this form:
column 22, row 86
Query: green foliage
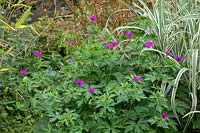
column 47, row 98
column 195, row 123
column 51, row 101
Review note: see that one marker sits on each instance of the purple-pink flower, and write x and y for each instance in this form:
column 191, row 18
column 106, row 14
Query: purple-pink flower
column 93, row 19
column 71, row 59
column 179, row 59
column 149, row 44
column 79, row 82
column 136, row 79
column 129, row 35
column 90, row 90
column 132, row 10
column 168, row 53
column 87, row 33
column 22, row 72
column 101, row 39
column 38, row 54
column 107, row 46
column 164, row 116
column 72, row 43
column 114, row 44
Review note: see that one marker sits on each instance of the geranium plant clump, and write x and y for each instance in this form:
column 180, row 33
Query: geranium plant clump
column 101, row 69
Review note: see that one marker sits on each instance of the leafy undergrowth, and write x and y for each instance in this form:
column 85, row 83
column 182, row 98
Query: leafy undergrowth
column 95, row 85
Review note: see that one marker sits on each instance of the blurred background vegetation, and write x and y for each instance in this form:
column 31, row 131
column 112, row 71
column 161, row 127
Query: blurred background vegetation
column 69, row 15
column 65, row 18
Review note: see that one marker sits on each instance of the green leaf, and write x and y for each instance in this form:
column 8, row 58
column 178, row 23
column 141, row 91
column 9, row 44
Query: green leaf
column 152, row 121
column 22, row 18
column 122, row 98
column 163, row 124
column 7, row 25
column 181, row 107
column 158, row 102
column 4, row 69
column 138, row 94
column 195, row 123
column 130, row 126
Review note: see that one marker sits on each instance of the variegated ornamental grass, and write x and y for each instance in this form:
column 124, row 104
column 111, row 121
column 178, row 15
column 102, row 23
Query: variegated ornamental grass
column 177, row 27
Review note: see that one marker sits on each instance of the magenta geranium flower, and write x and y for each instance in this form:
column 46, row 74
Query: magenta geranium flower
column 22, row 72
column 129, row 35
column 149, row 44
column 168, row 53
column 114, row 44
column 38, row 54
column 164, row 116
column 179, row 59
column 72, row 43
column 90, row 90
column 101, row 39
column 132, row 10
column 93, row 19
column 107, row 46
column 79, row 82
column 136, row 79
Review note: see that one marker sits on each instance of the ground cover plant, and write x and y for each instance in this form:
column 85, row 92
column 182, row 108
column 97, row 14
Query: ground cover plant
column 103, row 78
